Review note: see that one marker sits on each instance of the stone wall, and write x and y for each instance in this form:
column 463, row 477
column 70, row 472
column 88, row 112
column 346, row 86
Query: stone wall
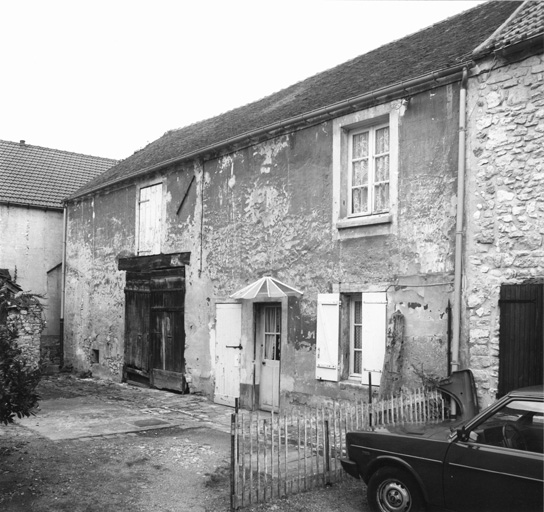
column 505, row 201
column 28, row 323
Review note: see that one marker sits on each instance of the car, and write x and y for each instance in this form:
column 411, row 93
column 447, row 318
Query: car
column 491, row 462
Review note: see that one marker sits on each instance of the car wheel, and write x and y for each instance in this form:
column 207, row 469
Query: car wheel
column 394, row 490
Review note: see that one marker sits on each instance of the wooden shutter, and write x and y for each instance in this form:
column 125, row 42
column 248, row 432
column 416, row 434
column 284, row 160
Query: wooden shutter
column 327, row 336
column 149, row 232
column 374, row 316
column 228, row 353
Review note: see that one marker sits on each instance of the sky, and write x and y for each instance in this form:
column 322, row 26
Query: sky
column 106, row 78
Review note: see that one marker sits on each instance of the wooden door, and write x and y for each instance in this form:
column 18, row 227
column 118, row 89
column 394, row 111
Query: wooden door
column 137, row 306
column 521, row 336
column 228, row 353
column 168, row 331
column 269, row 388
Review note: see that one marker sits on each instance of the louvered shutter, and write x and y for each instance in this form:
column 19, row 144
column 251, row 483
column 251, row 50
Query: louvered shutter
column 327, row 336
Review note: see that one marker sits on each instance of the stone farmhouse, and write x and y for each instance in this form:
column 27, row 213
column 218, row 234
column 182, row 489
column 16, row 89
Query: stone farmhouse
column 357, row 228
column 33, row 183
column 504, row 255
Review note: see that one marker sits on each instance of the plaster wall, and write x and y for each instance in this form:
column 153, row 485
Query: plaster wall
column 505, row 204
column 31, row 248
column 100, row 230
column 266, row 210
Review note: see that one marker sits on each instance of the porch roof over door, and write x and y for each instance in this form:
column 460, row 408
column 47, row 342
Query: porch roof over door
column 265, row 287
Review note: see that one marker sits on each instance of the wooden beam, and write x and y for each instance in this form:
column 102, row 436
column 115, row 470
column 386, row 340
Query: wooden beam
column 154, row 262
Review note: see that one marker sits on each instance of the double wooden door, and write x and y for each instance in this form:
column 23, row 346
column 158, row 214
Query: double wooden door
column 154, row 328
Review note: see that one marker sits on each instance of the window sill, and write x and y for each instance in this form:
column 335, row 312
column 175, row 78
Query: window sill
column 370, row 220
column 351, row 384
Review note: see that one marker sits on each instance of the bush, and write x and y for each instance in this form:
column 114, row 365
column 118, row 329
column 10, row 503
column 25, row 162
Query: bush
column 18, row 378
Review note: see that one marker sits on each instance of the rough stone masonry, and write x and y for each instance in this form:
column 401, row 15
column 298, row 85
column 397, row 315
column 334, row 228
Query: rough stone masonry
column 505, row 200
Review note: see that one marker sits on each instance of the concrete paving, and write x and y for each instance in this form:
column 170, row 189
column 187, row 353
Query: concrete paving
column 74, row 408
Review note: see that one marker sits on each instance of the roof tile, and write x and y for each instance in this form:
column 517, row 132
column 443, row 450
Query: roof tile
column 525, row 23
column 440, row 46
column 44, row 177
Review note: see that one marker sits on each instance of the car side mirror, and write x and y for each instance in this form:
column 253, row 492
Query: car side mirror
column 466, row 435
column 462, row 434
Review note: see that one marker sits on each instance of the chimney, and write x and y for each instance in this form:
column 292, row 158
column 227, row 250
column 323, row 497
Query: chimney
column 22, row 142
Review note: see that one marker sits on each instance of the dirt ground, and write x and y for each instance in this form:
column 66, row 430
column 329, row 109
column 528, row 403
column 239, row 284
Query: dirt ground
column 174, row 469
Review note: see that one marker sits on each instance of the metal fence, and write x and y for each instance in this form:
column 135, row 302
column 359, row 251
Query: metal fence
column 273, row 455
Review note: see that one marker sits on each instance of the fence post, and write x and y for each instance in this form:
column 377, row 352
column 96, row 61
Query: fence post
column 233, row 461
column 327, row 455
column 370, row 399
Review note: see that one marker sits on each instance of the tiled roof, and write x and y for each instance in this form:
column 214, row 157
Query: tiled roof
column 525, row 23
column 444, row 45
column 43, row 177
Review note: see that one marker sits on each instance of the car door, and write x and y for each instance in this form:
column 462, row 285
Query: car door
column 487, row 472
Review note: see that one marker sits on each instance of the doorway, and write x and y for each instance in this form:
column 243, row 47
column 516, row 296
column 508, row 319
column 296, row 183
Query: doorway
column 268, row 340
column 167, row 330
column 155, row 328
column 228, row 353
column 521, row 337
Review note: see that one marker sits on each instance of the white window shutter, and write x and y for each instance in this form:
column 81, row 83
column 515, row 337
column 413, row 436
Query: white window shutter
column 149, row 234
column 327, row 336
column 374, row 335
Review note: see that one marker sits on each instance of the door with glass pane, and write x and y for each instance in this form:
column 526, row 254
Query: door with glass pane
column 270, row 338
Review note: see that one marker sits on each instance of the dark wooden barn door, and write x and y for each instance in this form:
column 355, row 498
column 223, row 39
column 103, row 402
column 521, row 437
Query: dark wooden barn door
column 167, row 329
column 521, row 336
column 137, row 307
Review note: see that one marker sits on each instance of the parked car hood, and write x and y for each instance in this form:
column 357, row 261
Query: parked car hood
column 439, row 431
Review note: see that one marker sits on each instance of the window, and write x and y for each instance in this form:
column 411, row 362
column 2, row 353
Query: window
column 149, row 220
column 368, row 328
column 361, row 329
column 272, row 333
column 517, row 425
column 369, row 171
column 365, row 171
column 356, row 338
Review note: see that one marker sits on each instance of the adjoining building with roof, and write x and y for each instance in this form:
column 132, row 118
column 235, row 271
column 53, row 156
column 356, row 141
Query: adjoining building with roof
column 505, row 206
column 33, row 184
column 298, row 248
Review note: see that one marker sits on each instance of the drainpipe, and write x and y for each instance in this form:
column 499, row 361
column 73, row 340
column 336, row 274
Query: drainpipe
column 63, row 286
column 459, row 225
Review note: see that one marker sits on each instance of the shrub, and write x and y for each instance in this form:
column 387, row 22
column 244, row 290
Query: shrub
column 18, row 378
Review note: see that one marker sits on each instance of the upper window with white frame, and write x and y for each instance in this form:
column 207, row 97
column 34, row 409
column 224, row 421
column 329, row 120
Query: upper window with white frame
column 369, row 171
column 149, row 219
column 365, row 170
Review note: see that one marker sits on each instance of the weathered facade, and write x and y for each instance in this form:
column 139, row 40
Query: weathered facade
column 343, row 187
column 34, row 182
column 267, row 210
column 505, row 207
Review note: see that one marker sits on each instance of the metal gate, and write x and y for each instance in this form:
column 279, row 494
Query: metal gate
column 521, row 336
